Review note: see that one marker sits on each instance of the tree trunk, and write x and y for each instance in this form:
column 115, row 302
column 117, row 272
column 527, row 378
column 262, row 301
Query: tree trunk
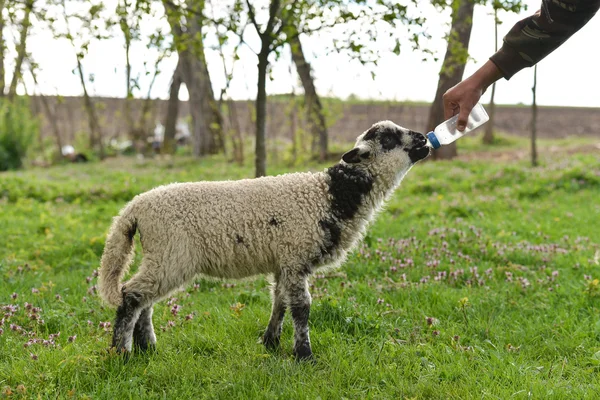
column 237, row 141
column 488, row 136
column 534, row 159
column 172, row 111
column 452, row 70
column 95, row 134
column 131, row 131
column 213, row 121
column 2, row 73
column 51, row 115
column 206, row 118
column 260, row 162
column 21, row 50
column 314, row 109
column 142, row 125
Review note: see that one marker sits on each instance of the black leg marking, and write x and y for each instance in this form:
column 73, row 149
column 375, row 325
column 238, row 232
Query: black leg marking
column 143, row 333
column 302, row 349
column 299, row 302
column 272, row 335
column 127, row 315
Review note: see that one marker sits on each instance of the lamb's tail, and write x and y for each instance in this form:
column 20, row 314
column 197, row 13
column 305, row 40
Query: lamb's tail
column 117, row 256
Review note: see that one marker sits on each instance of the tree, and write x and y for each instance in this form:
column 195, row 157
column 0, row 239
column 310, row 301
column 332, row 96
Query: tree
column 21, row 48
column 534, row 158
column 186, row 26
column 455, row 59
column 488, row 136
column 268, row 35
column 49, row 110
column 87, row 20
column 286, row 20
column 312, row 102
column 453, row 67
column 129, row 25
column 226, row 105
column 2, row 47
column 172, row 110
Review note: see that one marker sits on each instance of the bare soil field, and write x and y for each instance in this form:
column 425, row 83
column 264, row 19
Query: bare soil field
column 345, row 119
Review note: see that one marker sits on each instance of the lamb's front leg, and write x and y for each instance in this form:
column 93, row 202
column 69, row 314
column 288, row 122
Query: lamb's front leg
column 273, row 333
column 298, row 300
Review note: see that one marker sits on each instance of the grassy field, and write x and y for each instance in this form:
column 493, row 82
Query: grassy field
column 479, row 280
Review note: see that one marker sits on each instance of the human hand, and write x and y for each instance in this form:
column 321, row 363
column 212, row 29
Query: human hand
column 461, row 98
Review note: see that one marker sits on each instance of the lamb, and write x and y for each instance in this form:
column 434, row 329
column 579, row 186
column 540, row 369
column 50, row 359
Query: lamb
column 286, row 226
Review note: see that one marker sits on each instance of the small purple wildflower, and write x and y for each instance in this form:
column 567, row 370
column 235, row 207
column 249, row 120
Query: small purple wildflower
column 14, row 296
column 175, row 309
column 72, row 338
column 34, row 290
column 380, row 301
column 33, row 356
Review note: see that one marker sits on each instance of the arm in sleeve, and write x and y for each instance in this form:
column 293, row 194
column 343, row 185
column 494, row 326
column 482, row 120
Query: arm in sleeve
column 533, row 38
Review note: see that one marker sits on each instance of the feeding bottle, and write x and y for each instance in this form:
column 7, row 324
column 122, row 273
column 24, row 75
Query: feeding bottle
column 446, row 132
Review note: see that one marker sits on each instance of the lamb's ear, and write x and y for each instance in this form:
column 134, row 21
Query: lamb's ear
column 356, row 155
column 351, row 157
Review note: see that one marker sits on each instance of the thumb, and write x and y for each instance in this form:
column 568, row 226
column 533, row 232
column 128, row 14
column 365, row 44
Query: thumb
column 463, row 116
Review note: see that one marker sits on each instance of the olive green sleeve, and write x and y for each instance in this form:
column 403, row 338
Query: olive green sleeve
column 534, row 37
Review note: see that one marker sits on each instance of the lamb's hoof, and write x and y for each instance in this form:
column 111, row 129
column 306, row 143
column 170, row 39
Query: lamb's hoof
column 304, row 353
column 271, row 342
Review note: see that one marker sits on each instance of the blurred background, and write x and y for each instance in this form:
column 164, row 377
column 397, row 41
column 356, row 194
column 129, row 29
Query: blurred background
column 270, row 80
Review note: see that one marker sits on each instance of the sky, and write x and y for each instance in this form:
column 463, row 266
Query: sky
column 567, row 77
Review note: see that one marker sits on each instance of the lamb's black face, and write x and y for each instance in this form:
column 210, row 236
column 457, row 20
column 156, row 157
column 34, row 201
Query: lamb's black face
column 390, row 136
column 388, row 146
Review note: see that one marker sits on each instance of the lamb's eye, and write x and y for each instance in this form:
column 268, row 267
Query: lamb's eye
column 388, row 142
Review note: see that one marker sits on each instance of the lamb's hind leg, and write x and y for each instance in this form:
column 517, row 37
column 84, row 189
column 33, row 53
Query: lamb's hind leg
column 143, row 333
column 127, row 316
column 139, row 293
column 273, row 333
column 298, row 300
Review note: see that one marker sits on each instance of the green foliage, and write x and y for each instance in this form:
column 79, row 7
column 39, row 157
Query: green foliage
column 18, row 129
column 466, row 287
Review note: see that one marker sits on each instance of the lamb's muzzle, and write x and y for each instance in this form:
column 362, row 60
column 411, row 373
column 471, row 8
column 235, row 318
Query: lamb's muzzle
column 286, row 226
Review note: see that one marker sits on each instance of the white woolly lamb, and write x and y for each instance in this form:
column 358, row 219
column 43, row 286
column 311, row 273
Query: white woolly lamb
column 288, row 226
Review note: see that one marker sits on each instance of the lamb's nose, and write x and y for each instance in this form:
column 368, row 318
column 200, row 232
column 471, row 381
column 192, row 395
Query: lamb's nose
column 418, row 139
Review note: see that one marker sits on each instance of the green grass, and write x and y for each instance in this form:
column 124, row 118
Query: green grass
column 500, row 257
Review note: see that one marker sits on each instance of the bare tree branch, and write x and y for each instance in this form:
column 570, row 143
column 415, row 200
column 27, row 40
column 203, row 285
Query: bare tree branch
column 252, row 16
